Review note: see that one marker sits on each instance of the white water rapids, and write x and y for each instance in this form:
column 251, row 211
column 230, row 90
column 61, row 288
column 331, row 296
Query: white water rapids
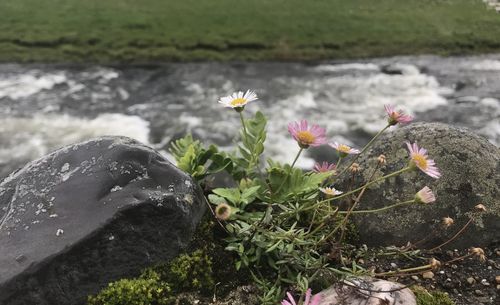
column 43, row 107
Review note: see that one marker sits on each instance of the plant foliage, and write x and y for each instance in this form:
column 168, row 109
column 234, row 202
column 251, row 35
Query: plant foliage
column 281, row 227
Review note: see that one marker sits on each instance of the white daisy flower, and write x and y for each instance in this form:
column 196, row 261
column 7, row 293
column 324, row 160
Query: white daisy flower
column 238, row 99
column 330, row 191
column 343, row 149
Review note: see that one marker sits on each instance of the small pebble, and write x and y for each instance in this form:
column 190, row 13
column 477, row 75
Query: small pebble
column 415, row 278
column 484, row 300
column 497, row 279
column 20, row 258
column 471, row 280
column 454, row 266
column 59, row 232
column 393, row 265
column 478, row 292
column 485, row 282
column 428, row 275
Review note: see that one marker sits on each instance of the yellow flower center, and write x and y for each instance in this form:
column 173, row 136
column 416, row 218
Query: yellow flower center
column 420, row 161
column 344, row 148
column 329, row 192
column 238, row 102
column 306, row 137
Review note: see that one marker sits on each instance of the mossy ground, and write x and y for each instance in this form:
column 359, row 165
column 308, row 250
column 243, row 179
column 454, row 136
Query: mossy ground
column 171, row 30
column 425, row 297
column 191, row 275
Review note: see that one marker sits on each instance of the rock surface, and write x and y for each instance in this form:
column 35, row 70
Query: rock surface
column 367, row 291
column 89, row 214
column 470, row 167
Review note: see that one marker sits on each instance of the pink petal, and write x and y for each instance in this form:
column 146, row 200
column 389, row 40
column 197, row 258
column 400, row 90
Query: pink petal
column 291, row 298
column 308, row 296
column 389, row 109
column 408, row 145
column 316, row 299
column 416, row 149
column 303, row 125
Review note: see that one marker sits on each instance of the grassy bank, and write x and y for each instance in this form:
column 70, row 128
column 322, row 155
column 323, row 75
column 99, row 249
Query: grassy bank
column 160, row 30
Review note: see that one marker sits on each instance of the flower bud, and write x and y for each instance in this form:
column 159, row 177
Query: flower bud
column 354, row 168
column 435, row 264
column 480, row 208
column 223, row 211
column 447, row 222
column 425, row 195
column 479, row 253
column 381, row 160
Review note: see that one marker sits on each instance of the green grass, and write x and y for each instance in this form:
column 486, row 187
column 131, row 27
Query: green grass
column 165, row 30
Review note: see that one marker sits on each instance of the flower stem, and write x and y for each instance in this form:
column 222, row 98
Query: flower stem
column 454, row 236
column 364, row 148
column 424, row 267
column 367, row 185
column 244, row 126
column 381, row 209
column 338, row 161
column 348, row 193
column 296, row 158
column 291, row 167
column 348, row 213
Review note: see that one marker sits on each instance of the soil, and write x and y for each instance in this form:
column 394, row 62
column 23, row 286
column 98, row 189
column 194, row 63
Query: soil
column 467, row 282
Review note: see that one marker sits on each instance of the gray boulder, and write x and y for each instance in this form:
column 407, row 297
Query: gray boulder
column 89, row 214
column 470, row 170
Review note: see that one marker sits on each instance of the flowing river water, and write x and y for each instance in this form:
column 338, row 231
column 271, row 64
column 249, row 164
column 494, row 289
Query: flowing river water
column 43, row 107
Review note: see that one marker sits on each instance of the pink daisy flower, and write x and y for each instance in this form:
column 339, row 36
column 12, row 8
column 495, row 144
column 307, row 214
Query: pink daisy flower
column 305, row 136
column 425, row 195
column 324, row 167
column 343, row 149
column 238, row 100
column 420, row 159
column 315, row 300
column 397, row 116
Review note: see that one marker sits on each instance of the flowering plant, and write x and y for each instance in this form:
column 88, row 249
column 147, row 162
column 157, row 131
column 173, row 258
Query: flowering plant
column 282, row 222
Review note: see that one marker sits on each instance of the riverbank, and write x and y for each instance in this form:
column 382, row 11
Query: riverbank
column 122, row 31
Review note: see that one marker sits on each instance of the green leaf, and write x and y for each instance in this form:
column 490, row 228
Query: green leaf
column 219, row 163
column 248, row 195
column 274, row 246
column 186, row 161
column 231, row 194
column 268, row 216
column 286, row 183
column 179, row 147
column 253, row 143
column 214, row 199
